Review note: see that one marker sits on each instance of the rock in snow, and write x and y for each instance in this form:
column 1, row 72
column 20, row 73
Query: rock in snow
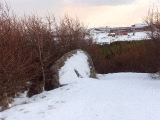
column 71, row 65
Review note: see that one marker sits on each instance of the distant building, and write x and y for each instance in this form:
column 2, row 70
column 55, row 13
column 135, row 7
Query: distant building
column 120, row 29
column 138, row 27
column 112, row 34
column 133, row 28
column 121, row 33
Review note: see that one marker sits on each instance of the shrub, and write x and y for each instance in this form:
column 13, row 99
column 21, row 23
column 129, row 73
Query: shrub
column 15, row 56
column 29, row 46
column 132, row 56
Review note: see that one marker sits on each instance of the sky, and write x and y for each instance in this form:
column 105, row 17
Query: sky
column 93, row 13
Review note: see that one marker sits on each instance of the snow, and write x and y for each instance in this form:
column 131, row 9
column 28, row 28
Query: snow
column 101, row 38
column 116, row 96
column 79, row 63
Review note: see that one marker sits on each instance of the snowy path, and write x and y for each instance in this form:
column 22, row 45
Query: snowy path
column 121, row 96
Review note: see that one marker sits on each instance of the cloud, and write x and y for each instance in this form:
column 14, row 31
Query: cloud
column 40, row 7
column 101, row 2
column 91, row 12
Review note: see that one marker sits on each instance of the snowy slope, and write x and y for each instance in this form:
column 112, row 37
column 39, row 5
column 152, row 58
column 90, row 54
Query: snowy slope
column 119, row 96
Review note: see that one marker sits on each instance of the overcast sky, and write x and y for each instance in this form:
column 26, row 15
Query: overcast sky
column 93, row 13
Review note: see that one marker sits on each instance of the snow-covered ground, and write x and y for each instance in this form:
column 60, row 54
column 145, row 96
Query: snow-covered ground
column 117, row 96
column 101, row 38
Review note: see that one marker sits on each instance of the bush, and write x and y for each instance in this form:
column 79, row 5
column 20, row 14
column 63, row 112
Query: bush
column 132, row 56
column 15, row 56
column 29, row 46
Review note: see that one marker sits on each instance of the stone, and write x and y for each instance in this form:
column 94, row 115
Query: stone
column 60, row 63
column 35, row 89
column 51, row 82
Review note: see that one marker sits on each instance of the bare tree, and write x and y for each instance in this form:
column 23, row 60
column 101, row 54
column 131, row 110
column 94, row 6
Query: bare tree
column 153, row 19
